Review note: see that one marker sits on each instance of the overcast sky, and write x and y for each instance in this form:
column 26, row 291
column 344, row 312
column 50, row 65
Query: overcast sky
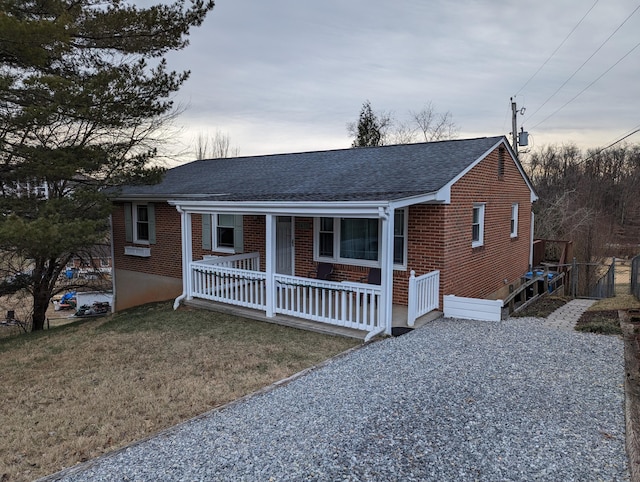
column 288, row 75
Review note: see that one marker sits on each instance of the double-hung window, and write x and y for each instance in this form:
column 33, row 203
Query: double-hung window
column 514, row 220
column 141, row 224
column 222, row 233
column 140, row 228
column 356, row 241
column 477, row 226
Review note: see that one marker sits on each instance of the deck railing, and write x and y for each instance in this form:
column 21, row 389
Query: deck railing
column 424, row 293
column 352, row 305
column 228, row 280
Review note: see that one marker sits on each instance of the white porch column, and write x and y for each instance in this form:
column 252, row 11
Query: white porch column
column 270, row 263
column 386, row 297
column 533, row 221
column 187, row 256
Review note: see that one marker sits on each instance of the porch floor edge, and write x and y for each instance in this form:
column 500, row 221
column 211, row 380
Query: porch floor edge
column 399, row 318
column 278, row 319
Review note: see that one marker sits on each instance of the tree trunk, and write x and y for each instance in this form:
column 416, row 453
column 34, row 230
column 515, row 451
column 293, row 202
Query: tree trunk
column 40, row 305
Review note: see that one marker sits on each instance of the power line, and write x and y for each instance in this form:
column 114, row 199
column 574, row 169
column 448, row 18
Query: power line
column 634, row 131
column 625, row 135
column 587, row 87
column 557, row 48
column 583, row 64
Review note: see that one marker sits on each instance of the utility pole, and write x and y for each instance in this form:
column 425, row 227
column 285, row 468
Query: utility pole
column 519, row 139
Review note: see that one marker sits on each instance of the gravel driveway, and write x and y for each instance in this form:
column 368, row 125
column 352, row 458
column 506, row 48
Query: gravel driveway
column 454, row 400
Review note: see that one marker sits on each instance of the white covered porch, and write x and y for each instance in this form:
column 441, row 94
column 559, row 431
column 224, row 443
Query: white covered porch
column 247, row 282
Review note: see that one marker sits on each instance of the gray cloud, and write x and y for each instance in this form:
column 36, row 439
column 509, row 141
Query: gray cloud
column 287, row 75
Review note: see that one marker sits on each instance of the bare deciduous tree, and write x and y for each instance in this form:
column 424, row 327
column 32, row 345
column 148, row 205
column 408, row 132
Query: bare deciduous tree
column 381, row 128
column 589, row 198
column 215, row 146
column 433, row 125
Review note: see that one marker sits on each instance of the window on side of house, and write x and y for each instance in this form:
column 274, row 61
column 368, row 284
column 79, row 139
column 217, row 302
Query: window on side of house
column 356, row 241
column 477, row 226
column 140, row 228
column 141, row 224
column 514, row 220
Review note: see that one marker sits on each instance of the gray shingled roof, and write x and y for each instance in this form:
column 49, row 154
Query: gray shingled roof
column 362, row 174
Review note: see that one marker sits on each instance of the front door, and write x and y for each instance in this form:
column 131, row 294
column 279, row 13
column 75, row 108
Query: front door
column 284, row 245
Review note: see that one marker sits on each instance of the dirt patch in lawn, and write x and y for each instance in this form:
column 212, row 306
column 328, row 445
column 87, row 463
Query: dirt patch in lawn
column 605, row 322
column 83, row 389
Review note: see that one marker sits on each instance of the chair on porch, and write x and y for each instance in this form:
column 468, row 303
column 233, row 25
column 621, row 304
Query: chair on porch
column 373, row 278
column 323, row 271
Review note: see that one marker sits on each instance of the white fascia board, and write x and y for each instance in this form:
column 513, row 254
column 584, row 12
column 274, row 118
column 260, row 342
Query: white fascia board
column 283, row 208
column 442, row 196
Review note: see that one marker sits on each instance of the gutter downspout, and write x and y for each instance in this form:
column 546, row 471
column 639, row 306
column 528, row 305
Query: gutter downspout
column 374, row 333
column 185, row 264
column 113, row 266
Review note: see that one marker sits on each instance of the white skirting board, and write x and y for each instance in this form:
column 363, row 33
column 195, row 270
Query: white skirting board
column 472, row 308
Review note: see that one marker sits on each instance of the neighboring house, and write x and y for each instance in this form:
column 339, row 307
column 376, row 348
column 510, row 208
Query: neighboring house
column 451, row 217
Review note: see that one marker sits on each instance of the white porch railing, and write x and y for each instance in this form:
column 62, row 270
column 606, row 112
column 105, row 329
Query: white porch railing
column 352, row 305
column 237, row 280
column 423, row 295
column 230, row 279
column 250, row 261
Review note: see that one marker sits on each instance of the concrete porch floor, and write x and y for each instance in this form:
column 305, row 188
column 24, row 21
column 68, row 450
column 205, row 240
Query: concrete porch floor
column 399, row 318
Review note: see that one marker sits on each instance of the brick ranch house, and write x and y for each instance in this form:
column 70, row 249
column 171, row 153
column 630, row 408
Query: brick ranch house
column 347, row 237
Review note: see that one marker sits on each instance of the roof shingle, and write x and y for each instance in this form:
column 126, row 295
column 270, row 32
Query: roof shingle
column 356, row 174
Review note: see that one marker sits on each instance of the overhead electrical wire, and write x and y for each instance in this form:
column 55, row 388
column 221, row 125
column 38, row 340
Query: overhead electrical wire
column 581, row 66
column 635, row 130
column 587, row 87
column 557, row 48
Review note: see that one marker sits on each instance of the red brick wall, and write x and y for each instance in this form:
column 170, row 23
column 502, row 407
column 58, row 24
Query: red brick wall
column 425, row 247
column 166, row 253
column 478, row 272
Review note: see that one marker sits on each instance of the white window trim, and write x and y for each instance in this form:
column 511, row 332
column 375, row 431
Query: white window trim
column 134, row 218
column 351, row 261
column 514, row 218
column 214, row 236
column 480, row 241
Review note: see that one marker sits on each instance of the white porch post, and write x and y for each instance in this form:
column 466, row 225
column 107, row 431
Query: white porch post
column 386, row 296
column 270, row 262
column 533, row 221
column 187, row 256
